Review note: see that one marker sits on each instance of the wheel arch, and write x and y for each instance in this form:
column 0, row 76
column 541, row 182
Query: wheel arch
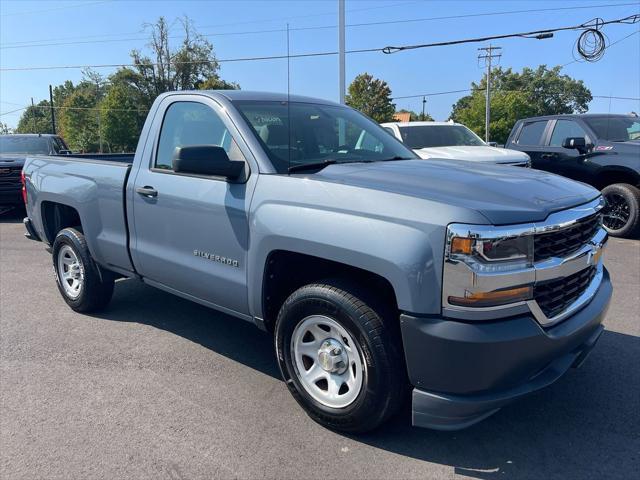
column 57, row 216
column 618, row 174
column 285, row 271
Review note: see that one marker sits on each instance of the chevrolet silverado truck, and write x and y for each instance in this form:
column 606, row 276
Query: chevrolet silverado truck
column 383, row 277
column 598, row 149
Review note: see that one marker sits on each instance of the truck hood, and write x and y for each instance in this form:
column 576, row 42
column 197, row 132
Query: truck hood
column 12, row 159
column 476, row 154
column 503, row 195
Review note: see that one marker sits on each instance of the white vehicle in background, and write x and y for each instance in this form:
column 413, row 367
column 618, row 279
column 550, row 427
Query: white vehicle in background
column 452, row 141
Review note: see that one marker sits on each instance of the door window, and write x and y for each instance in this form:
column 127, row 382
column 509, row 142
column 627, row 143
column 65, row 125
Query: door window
column 192, row 123
column 565, row 129
column 531, row 133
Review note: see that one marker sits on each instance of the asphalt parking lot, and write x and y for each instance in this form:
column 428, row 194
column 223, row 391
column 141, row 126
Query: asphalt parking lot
column 158, row 387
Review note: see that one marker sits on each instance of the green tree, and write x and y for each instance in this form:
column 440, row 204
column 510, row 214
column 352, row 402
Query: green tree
column 35, row 119
column 372, row 97
column 121, row 118
column 79, row 119
column 5, row 129
column 192, row 65
column 506, row 108
column 540, row 91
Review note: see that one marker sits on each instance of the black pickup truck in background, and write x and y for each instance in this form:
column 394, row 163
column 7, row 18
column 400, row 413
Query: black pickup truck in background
column 598, row 149
column 14, row 149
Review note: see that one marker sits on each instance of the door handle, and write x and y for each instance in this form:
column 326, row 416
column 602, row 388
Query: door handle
column 147, row 191
column 548, row 156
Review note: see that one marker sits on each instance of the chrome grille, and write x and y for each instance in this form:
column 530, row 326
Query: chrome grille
column 555, row 296
column 564, row 242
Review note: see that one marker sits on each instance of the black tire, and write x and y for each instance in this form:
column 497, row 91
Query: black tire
column 623, row 201
column 97, row 285
column 376, row 334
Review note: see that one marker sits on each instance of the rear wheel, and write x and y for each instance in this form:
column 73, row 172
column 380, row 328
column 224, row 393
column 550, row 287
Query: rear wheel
column 340, row 356
column 82, row 284
column 622, row 211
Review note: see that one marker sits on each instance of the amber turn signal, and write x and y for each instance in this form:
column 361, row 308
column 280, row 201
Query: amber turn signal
column 490, row 299
column 462, row 245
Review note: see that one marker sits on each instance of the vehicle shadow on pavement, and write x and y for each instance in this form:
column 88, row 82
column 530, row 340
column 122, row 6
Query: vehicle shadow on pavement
column 584, row 426
column 229, row 336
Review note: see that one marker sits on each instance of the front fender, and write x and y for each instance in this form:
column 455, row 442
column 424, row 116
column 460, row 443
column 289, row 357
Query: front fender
column 400, row 253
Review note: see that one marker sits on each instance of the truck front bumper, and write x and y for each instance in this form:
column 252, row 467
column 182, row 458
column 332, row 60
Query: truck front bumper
column 464, row 372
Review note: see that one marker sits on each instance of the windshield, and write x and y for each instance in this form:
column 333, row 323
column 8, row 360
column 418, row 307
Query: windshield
column 615, row 129
column 19, row 144
column 319, row 133
column 426, row 136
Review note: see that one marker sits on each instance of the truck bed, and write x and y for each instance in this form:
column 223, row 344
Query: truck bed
column 93, row 185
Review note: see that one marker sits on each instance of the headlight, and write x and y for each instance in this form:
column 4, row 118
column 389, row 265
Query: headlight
column 476, row 251
column 506, row 252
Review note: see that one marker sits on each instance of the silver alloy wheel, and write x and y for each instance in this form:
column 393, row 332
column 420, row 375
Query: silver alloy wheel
column 70, row 272
column 327, row 361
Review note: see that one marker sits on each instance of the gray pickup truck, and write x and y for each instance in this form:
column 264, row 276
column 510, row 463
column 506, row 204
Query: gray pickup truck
column 383, row 277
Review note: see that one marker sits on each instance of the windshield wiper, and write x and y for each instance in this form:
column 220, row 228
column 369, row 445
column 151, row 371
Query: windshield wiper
column 332, row 161
column 312, row 165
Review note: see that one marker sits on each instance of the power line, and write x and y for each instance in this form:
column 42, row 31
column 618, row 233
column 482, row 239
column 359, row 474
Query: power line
column 592, row 24
column 25, row 42
column 84, row 4
column 577, row 60
column 224, row 60
column 55, row 42
column 464, row 90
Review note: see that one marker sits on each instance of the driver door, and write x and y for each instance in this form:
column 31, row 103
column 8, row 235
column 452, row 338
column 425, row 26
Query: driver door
column 191, row 231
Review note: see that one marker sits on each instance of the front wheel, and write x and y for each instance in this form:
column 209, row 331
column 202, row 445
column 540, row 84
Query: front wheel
column 622, row 212
column 340, row 357
column 82, row 284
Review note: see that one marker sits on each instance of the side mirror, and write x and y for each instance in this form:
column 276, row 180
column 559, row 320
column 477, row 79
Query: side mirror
column 492, row 144
column 576, row 143
column 206, row 160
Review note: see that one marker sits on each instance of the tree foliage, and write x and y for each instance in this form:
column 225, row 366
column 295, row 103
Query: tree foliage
column 121, row 118
column 372, row 97
column 35, row 119
column 5, row 129
column 113, row 109
column 79, row 120
column 540, row 91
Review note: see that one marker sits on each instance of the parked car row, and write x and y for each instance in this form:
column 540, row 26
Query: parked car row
column 383, row 277
column 600, row 150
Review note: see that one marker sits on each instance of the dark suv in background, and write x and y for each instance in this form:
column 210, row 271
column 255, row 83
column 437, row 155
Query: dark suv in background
column 601, row 150
column 14, row 148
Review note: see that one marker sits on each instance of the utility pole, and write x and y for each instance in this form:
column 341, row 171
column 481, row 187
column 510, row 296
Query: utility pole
column 341, row 50
column 53, row 116
column 98, row 110
column 488, row 56
column 424, row 103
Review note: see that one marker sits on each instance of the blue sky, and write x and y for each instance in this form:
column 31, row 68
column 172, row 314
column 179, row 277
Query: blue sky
column 113, row 28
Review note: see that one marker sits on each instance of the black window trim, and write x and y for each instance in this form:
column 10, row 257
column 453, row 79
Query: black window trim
column 154, row 150
column 543, row 138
